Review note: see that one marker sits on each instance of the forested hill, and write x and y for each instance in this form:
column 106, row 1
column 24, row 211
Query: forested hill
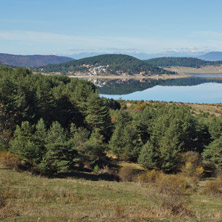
column 104, row 65
column 31, row 60
column 181, row 61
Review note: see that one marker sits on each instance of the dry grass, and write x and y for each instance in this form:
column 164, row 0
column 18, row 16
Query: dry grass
column 211, row 109
column 204, row 69
column 30, row 198
column 213, row 188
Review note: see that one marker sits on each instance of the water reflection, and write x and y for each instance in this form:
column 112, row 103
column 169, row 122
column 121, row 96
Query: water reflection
column 203, row 93
column 127, row 86
column 207, row 75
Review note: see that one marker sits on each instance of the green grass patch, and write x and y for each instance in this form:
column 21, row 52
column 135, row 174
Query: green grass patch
column 34, row 198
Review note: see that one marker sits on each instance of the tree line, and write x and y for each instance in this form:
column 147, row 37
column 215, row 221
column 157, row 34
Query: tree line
column 181, row 61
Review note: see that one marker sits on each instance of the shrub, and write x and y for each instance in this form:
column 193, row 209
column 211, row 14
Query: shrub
column 96, row 169
column 172, row 184
column 170, row 194
column 148, row 176
column 213, row 188
column 127, row 173
column 192, row 164
column 10, row 160
column 140, row 107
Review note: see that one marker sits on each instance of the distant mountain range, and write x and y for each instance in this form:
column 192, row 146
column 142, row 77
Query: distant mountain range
column 210, row 56
column 119, row 64
column 139, row 55
column 104, row 65
column 181, row 61
column 31, row 60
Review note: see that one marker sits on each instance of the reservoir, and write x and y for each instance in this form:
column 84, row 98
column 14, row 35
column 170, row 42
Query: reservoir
column 200, row 88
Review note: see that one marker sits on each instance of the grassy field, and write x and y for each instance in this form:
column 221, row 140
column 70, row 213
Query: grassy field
column 212, row 109
column 205, row 69
column 26, row 198
column 196, row 108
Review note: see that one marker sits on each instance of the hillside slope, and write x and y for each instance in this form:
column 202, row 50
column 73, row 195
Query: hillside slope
column 116, row 64
column 181, row 61
column 212, row 56
column 31, row 60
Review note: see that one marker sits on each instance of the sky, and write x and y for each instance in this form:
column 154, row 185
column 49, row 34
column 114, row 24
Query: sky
column 66, row 27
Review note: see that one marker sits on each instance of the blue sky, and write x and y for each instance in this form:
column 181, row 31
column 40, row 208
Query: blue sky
column 73, row 26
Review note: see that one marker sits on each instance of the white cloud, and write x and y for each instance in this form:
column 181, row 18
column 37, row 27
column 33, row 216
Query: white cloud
column 45, row 42
column 59, row 41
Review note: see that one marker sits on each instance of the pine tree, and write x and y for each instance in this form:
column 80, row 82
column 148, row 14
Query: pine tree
column 97, row 116
column 60, row 156
column 117, row 141
column 94, row 150
column 170, row 151
column 213, row 152
column 46, row 104
column 23, row 145
column 39, row 139
column 148, row 157
column 125, row 142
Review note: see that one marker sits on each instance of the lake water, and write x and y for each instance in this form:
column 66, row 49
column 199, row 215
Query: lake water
column 207, row 75
column 196, row 89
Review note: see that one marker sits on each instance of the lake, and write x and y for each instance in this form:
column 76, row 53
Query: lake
column 201, row 88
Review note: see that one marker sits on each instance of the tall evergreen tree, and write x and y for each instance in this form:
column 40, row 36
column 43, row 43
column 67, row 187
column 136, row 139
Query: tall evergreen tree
column 213, row 152
column 23, row 145
column 97, row 116
column 93, row 150
column 125, row 141
column 39, row 139
column 148, row 156
column 60, row 156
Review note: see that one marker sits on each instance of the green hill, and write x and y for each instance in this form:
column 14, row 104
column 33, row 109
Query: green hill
column 103, row 65
column 31, row 60
column 180, row 61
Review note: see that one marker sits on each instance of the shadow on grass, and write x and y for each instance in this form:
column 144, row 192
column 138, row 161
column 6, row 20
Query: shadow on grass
column 90, row 176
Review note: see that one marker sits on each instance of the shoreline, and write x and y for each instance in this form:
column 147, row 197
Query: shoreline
column 202, row 70
column 156, row 77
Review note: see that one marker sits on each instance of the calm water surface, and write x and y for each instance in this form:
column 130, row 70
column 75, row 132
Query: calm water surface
column 193, row 90
column 204, row 93
column 207, row 75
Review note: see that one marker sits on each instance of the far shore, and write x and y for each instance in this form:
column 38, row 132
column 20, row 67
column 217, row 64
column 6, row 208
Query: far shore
column 157, row 77
column 202, row 70
column 182, row 72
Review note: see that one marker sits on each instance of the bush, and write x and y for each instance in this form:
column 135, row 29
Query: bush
column 170, row 194
column 10, row 160
column 148, row 176
column 192, row 164
column 172, row 185
column 127, row 173
column 213, row 188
